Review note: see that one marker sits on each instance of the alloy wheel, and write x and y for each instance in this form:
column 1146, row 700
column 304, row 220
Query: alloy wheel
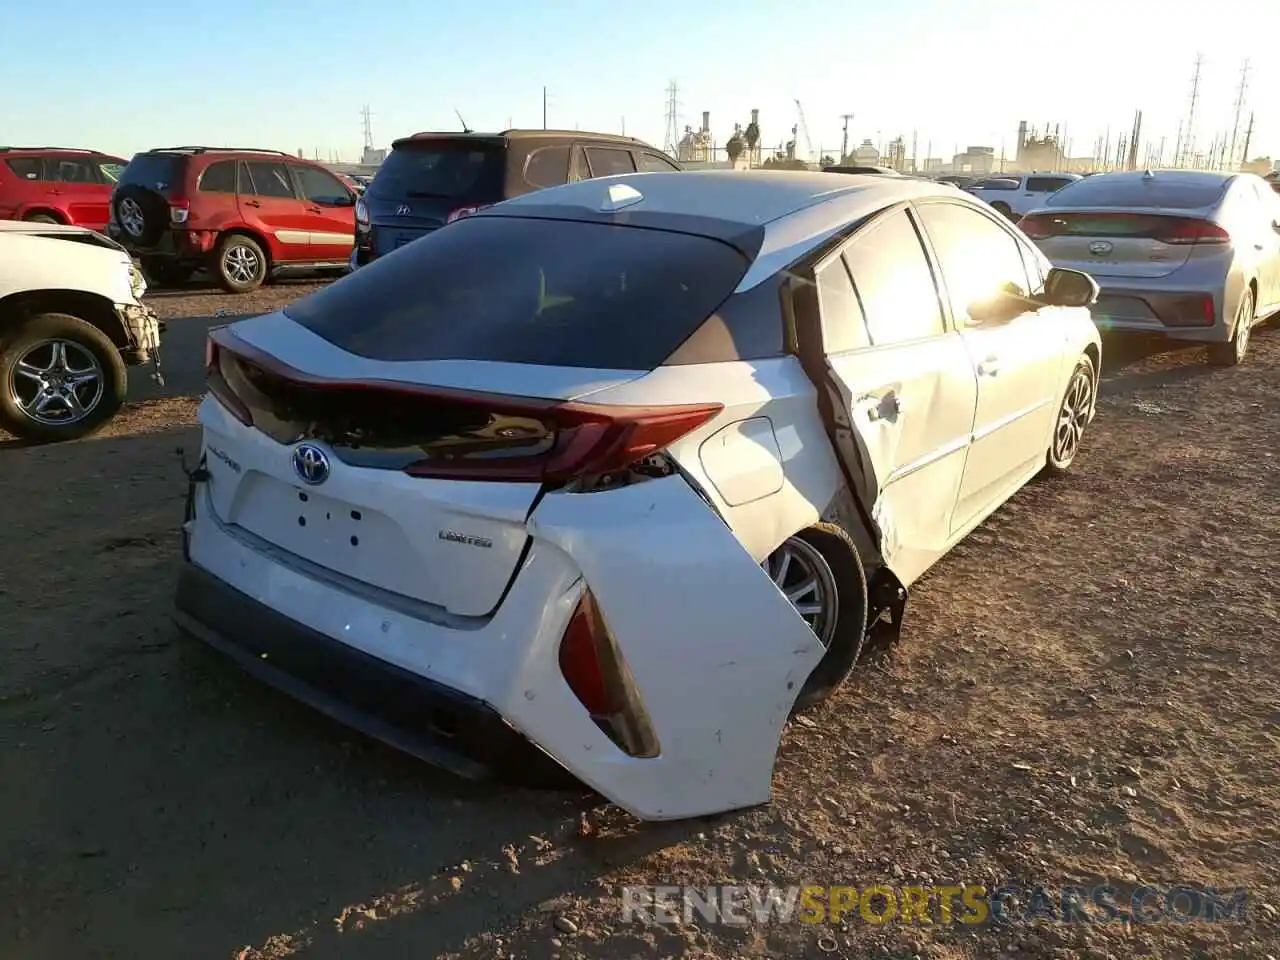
column 803, row 575
column 57, row 382
column 131, row 217
column 1073, row 418
column 240, row 264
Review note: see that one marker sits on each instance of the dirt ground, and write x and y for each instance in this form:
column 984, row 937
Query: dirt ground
column 1086, row 691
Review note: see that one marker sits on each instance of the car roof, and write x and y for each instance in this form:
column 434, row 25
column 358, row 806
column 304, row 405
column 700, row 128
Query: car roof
column 69, row 151
column 27, row 226
column 519, row 134
column 799, row 210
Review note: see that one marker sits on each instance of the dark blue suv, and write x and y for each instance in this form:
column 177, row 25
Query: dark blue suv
column 431, row 179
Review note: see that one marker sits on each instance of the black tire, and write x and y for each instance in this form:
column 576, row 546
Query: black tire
column 231, row 260
column 32, row 340
column 142, row 214
column 1082, row 385
column 1003, row 209
column 161, row 272
column 41, row 218
column 837, row 549
column 1233, row 352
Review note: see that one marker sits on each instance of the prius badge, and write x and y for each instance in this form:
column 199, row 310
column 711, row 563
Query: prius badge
column 311, row 464
column 1100, row 248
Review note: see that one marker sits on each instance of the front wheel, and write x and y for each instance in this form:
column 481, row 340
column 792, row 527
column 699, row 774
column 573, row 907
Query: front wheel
column 41, row 218
column 1073, row 417
column 1232, row 353
column 819, row 571
column 60, row 378
column 240, row 264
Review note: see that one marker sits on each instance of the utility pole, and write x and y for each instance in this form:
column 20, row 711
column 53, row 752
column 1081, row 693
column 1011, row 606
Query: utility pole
column 1189, row 133
column 544, row 108
column 1235, row 127
column 1134, row 140
column 915, row 157
column 1248, row 135
column 844, row 139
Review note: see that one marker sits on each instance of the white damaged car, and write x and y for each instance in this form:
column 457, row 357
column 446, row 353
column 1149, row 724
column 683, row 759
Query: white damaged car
column 617, row 475
column 71, row 321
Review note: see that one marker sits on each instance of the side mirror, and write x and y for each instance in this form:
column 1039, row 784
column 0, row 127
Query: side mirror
column 1069, row 288
column 1005, row 306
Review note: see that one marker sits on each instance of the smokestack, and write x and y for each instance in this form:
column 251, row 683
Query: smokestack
column 706, row 121
column 1022, row 134
column 755, row 116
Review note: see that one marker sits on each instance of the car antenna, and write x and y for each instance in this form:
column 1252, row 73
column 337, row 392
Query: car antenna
column 465, row 128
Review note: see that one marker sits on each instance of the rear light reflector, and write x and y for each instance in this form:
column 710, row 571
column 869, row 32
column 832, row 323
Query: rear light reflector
column 1036, row 227
column 1190, row 231
column 602, row 682
column 1193, row 310
column 466, row 212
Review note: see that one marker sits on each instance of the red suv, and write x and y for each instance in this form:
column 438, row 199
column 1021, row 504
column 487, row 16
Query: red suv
column 57, row 185
column 245, row 215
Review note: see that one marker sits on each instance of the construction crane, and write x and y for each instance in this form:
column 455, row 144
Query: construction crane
column 803, row 131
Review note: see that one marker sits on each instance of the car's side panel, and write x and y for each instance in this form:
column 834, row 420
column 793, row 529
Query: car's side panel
column 736, row 458
column 718, row 653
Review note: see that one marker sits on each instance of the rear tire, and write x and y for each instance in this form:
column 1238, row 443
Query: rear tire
column 827, row 554
column 240, row 264
column 166, row 273
column 51, row 357
column 41, row 218
column 143, row 215
column 1233, row 352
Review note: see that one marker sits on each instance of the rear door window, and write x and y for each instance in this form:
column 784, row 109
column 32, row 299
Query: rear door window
column 578, row 166
column 219, row 177
column 465, row 169
column 1046, row 184
column 843, row 325
column 555, row 292
column 609, row 161
column 269, row 179
column 548, row 166
column 320, row 187
column 73, row 170
column 894, row 281
column 25, row 168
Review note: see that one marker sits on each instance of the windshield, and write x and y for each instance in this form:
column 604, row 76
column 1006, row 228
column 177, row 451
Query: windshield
column 554, row 292
column 453, row 170
column 1174, row 190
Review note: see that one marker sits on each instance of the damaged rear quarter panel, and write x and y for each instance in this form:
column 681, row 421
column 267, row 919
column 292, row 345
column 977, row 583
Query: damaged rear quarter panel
column 717, row 652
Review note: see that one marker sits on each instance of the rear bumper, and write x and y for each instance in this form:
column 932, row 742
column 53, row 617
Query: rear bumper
column 412, row 713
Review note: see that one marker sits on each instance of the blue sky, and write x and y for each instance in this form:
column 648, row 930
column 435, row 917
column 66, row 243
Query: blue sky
column 293, row 74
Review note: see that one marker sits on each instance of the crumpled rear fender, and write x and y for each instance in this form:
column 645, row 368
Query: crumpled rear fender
column 718, row 654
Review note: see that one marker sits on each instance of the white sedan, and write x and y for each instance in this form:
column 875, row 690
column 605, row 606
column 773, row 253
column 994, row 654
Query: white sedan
column 615, row 476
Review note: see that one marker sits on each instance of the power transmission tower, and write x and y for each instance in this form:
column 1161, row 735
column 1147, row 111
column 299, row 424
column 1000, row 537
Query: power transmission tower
column 1248, row 135
column 1235, row 127
column 844, row 139
column 544, row 108
column 1189, row 129
column 367, row 121
column 671, row 140
column 1134, row 139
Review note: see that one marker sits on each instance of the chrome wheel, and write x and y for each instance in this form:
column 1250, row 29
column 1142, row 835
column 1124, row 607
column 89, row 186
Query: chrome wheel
column 131, row 217
column 240, row 264
column 1073, row 418
column 1244, row 325
column 56, row 382
column 803, row 575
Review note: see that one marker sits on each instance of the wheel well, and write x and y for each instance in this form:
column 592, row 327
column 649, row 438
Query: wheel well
column 1093, row 353
column 89, row 307
column 43, row 212
column 253, row 235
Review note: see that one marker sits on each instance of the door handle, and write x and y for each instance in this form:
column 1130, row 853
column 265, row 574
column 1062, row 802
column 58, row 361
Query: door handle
column 886, row 407
column 314, row 210
column 989, row 367
column 253, row 203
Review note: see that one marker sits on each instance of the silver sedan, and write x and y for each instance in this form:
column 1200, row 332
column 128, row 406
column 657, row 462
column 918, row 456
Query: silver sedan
column 1186, row 254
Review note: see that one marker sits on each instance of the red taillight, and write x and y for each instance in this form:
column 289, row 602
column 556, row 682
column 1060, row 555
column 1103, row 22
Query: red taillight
column 216, row 367
column 600, row 679
column 1188, row 231
column 179, row 211
column 1036, row 227
column 590, row 440
column 466, row 212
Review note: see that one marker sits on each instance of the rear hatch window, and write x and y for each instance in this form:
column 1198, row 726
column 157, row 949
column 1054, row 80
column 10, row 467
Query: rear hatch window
column 160, row 172
column 517, row 290
column 462, row 170
column 1173, row 191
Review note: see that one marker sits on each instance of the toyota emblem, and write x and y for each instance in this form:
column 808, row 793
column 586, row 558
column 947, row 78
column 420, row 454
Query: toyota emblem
column 311, row 464
column 1100, row 248
column 403, row 210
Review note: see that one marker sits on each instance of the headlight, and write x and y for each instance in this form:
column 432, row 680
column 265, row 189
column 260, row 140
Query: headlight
column 137, row 282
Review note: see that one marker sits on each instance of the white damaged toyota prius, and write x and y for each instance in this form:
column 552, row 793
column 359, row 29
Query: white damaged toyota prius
column 614, row 477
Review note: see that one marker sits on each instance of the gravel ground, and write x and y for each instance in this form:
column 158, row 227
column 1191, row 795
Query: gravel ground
column 1086, row 690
